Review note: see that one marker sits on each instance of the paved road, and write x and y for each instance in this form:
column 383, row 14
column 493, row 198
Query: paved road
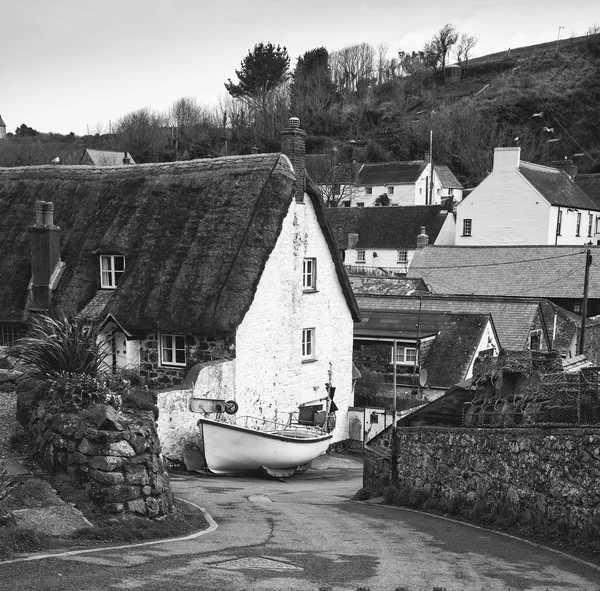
column 306, row 534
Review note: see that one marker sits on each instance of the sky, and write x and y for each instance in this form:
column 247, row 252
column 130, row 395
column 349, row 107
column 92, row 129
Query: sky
column 78, row 66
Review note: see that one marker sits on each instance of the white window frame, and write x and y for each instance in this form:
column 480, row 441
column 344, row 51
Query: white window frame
column 402, row 257
column 559, row 223
column 309, row 274
column 405, row 354
column 468, row 227
column 109, row 275
column 361, row 256
column 598, row 224
column 578, row 224
column 308, row 344
column 170, row 350
column 590, row 224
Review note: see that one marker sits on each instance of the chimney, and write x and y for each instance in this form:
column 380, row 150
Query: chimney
column 45, row 253
column 566, row 166
column 126, row 159
column 293, row 145
column 253, row 150
column 422, row 238
column 352, row 240
column 506, row 159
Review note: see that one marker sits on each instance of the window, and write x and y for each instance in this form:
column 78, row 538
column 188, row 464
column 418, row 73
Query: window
column 335, row 189
column 598, row 224
column 590, row 223
column 360, row 204
column 368, row 190
column 308, row 344
column 346, row 203
column 9, row 333
column 559, row 223
column 535, row 340
column 578, row 227
column 577, row 307
column 111, row 268
column 309, row 275
column 467, row 227
column 390, row 190
column 402, row 257
column 360, row 256
column 405, row 354
column 172, row 349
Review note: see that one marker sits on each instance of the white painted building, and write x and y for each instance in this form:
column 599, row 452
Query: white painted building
column 521, row 203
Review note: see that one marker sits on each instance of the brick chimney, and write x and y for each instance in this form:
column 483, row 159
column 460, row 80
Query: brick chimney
column 45, row 254
column 126, row 158
column 566, row 166
column 352, row 240
column 293, row 145
column 422, row 238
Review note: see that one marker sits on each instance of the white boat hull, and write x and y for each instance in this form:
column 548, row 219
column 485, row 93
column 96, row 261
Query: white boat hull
column 230, row 449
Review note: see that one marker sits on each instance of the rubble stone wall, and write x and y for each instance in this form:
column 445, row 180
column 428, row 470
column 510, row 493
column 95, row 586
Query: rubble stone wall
column 548, row 475
column 119, row 464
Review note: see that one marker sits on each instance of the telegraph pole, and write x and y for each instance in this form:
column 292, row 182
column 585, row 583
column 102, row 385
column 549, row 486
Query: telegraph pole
column 586, row 281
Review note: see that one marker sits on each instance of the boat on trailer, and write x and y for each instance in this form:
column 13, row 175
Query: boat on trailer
column 250, row 444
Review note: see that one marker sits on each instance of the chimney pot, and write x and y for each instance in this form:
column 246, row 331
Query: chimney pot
column 422, row 238
column 39, row 213
column 294, row 123
column 48, row 213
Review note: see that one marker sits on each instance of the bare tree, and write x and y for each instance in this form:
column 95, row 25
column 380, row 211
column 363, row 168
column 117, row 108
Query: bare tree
column 184, row 118
column 352, row 67
column 142, row 133
column 335, row 179
column 439, row 47
column 463, row 50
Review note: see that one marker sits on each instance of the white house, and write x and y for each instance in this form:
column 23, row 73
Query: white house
column 521, row 203
column 221, row 274
column 388, row 236
column 405, row 183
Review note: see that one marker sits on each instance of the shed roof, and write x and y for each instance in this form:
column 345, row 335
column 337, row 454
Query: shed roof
column 519, row 271
column 555, row 186
column 196, row 236
column 106, row 157
column 386, row 227
column 513, row 318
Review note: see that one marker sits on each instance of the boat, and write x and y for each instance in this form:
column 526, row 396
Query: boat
column 249, row 444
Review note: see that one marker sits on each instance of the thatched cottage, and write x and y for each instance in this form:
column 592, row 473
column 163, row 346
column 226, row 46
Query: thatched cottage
column 228, row 263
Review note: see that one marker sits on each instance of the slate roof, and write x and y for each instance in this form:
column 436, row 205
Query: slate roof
column 590, row 185
column 386, row 227
column 555, row 186
column 105, row 157
column 512, row 318
column 519, row 271
column 196, row 236
column 447, row 178
column 392, row 286
column 391, row 173
column 452, row 350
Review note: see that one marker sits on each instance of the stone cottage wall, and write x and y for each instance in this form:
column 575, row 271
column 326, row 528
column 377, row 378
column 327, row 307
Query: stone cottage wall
column 116, row 457
column 543, row 474
column 199, row 349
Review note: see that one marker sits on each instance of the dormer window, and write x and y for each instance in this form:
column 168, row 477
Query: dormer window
column 112, row 267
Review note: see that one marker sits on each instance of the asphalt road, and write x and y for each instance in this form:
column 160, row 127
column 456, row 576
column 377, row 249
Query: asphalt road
column 306, row 534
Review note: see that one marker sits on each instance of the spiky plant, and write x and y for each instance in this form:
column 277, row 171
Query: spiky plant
column 54, row 347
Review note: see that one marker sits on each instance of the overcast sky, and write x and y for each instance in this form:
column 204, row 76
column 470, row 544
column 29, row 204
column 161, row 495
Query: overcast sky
column 70, row 65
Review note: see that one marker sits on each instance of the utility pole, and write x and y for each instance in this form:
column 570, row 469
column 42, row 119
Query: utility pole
column 588, row 264
column 558, row 39
column 394, row 465
column 431, row 164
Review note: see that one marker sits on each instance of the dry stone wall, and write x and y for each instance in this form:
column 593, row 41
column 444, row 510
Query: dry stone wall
column 539, row 475
column 116, row 457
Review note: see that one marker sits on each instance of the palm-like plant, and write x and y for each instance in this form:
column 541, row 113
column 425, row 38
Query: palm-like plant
column 57, row 346
column 67, row 355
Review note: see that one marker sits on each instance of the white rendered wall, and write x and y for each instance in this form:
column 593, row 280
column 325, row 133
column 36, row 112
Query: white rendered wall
column 568, row 232
column 505, row 210
column 488, row 340
column 271, row 378
column 386, row 257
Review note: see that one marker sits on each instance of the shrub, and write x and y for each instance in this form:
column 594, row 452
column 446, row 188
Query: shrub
column 57, row 347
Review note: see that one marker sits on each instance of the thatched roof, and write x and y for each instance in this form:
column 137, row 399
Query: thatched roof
column 196, row 236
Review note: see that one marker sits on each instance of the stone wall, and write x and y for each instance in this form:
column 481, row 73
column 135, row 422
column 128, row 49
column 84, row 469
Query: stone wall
column 199, row 349
column 116, row 457
column 539, row 475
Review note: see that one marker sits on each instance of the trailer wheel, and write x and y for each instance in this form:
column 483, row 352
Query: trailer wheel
column 231, row 407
